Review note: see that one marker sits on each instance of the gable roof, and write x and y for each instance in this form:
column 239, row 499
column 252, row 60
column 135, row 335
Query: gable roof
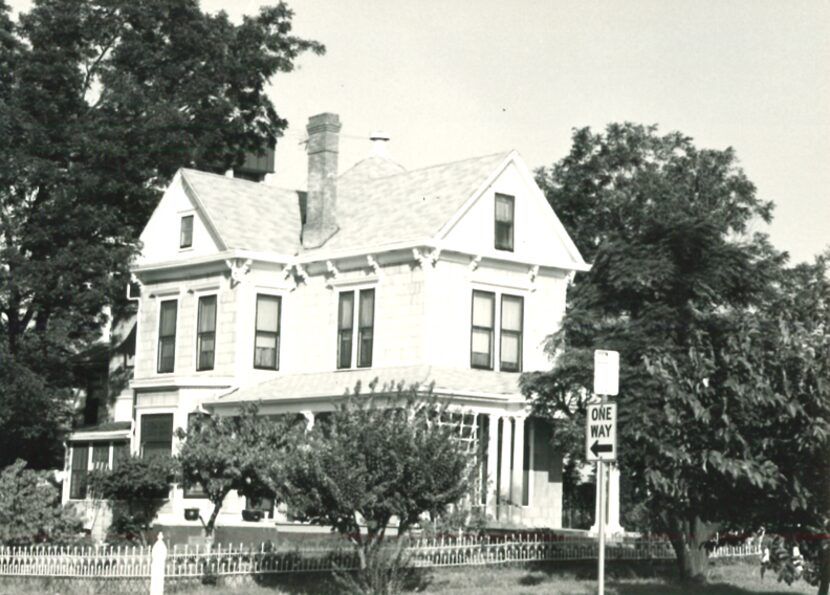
column 248, row 215
column 407, row 206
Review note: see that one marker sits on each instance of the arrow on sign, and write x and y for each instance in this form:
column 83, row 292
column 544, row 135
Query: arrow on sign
column 597, row 448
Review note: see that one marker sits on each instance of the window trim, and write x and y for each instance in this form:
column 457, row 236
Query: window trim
column 277, row 334
column 520, row 333
column 189, row 244
column 215, row 296
column 349, row 331
column 512, row 201
column 141, row 436
column 159, row 336
column 360, row 329
column 474, row 327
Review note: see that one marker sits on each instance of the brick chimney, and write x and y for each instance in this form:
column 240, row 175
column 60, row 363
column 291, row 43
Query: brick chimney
column 321, row 206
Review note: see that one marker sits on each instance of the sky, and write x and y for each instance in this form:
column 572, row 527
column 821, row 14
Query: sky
column 451, row 79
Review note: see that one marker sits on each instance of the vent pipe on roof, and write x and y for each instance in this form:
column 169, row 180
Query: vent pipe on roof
column 379, row 142
column 321, row 206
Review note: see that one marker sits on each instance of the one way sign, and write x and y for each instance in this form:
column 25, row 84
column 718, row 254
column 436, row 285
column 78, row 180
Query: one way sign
column 601, row 432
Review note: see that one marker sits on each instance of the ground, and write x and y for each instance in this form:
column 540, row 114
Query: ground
column 736, row 578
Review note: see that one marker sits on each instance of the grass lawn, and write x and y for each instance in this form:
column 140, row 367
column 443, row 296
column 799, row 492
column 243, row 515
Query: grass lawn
column 738, row 578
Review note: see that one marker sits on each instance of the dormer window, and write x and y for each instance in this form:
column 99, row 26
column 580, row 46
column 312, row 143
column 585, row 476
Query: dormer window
column 186, row 234
column 504, row 222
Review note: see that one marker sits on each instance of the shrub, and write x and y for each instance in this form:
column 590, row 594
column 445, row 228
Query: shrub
column 30, row 508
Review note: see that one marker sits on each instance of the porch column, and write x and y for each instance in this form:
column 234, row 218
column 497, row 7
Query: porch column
column 613, row 522
column 504, row 474
column 492, row 464
column 612, row 502
column 517, row 489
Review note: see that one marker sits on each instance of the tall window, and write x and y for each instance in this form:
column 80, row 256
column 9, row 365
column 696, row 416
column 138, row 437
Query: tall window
column 482, row 333
column 78, row 474
column 345, row 324
column 510, row 352
column 504, row 222
column 186, row 233
column 206, row 333
column 267, row 338
column 167, row 336
column 156, row 435
column 365, row 328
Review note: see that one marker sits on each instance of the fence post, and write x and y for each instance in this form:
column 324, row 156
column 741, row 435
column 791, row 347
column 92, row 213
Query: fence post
column 157, row 562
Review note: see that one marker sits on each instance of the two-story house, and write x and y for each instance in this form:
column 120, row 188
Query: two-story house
column 449, row 276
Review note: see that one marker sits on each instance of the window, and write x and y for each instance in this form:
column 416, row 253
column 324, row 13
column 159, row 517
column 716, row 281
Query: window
column 167, row 336
column 78, row 474
column 510, row 351
column 261, row 503
column 504, row 222
column 345, row 321
column 482, row 333
column 267, row 332
column 82, row 464
column 365, row 328
column 156, row 435
column 206, row 333
column 186, row 233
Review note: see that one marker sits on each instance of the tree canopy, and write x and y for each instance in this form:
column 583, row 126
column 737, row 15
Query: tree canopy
column 676, row 274
column 101, row 101
column 370, row 461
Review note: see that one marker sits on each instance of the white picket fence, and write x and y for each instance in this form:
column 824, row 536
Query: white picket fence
column 188, row 561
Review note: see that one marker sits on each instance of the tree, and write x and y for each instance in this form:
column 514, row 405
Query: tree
column 30, row 508
column 245, row 452
column 101, row 101
column 137, row 489
column 373, row 460
column 675, row 272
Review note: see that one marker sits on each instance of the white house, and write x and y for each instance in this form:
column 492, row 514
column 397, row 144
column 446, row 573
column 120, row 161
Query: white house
column 451, row 275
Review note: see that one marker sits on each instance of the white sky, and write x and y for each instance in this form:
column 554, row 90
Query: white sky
column 449, row 79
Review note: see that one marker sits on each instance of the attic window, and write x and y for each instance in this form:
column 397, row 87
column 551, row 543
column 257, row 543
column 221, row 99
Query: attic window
column 504, row 222
column 186, row 235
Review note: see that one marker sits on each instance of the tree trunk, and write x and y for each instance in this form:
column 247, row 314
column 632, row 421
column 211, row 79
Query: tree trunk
column 692, row 558
column 824, row 569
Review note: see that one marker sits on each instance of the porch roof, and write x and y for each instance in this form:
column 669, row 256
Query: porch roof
column 443, row 381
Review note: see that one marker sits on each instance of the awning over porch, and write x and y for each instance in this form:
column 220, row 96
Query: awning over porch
column 105, row 431
column 479, row 384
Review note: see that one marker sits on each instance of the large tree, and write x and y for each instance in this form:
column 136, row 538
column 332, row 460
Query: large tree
column 675, row 270
column 101, row 101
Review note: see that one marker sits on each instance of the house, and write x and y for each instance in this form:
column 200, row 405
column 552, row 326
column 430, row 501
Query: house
column 449, row 276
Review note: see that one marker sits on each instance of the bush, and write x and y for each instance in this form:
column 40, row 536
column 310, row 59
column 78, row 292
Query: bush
column 388, row 571
column 138, row 488
column 30, row 508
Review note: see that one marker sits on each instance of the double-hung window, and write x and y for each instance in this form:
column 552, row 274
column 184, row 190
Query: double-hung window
column 346, row 327
column 78, row 475
column 206, row 333
column 481, row 355
column 186, row 232
column 156, row 435
column 267, row 332
column 510, row 327
column 167, row 336
column 504, row 221
column 510, row 351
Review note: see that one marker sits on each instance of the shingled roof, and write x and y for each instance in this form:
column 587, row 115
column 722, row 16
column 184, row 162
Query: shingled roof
column 377, row 204
column 341, row 382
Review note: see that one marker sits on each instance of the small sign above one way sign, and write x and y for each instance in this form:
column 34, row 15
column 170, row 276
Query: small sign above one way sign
column 601, row 432
column 606, row 372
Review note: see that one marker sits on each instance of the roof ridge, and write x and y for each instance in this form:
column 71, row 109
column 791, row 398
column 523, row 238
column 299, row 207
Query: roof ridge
column 446, row 163
column 188, row 170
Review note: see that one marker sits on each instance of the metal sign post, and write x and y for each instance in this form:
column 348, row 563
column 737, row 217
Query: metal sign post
column 601, row 438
